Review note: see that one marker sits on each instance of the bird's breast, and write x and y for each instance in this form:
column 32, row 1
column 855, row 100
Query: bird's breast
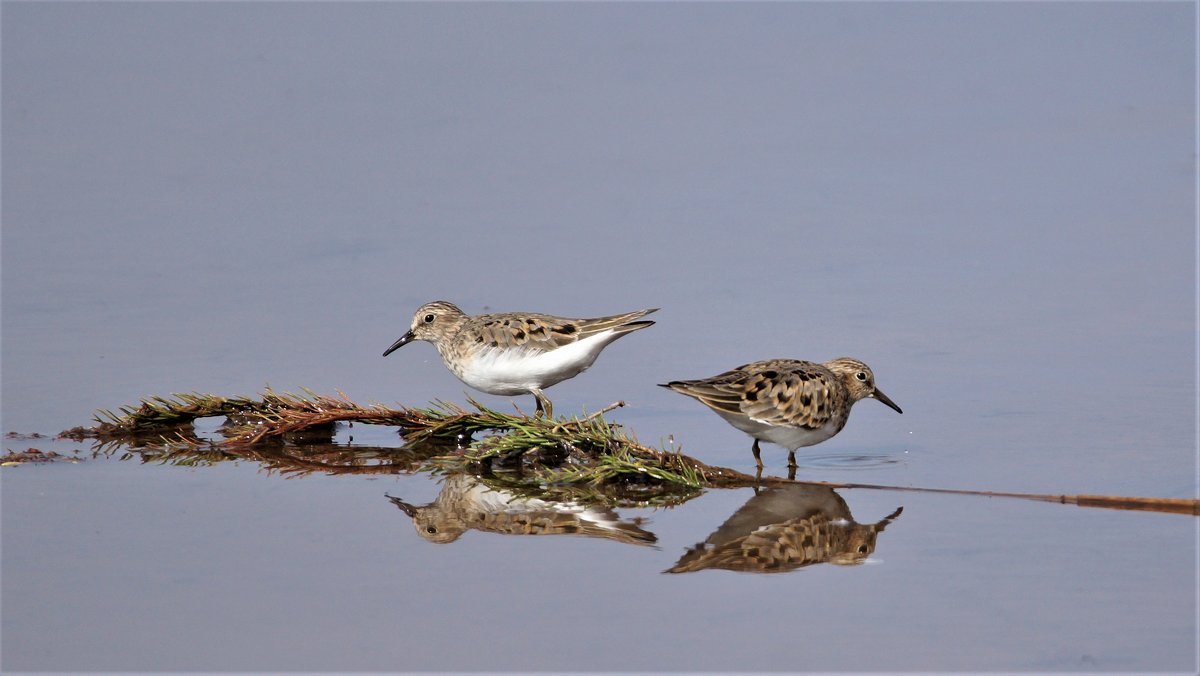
column 515, row 370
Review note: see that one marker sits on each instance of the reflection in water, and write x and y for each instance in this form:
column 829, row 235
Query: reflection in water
column 784, row 528
column 465, row 503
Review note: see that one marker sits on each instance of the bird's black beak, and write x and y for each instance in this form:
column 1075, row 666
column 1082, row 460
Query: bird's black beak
column 884, row 398
column 404, row 340
column 408, row 509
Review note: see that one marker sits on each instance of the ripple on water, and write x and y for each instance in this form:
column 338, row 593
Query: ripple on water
column 848, row 460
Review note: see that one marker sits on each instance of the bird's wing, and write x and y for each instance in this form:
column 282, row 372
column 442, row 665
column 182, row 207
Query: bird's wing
column 799, row 394
column 546, row 332
column 777, row 392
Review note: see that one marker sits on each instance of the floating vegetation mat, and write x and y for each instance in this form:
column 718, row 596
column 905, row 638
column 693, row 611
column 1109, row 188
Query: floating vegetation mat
column 584, row 457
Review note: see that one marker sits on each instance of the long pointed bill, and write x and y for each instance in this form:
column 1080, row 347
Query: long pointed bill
column 884, row 398
column 410, row 510
column 404, row 340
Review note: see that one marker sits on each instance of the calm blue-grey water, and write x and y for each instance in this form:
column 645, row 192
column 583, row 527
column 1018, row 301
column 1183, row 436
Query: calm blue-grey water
column 993, row 204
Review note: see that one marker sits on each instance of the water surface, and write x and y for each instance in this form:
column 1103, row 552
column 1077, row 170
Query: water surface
column 991, row 204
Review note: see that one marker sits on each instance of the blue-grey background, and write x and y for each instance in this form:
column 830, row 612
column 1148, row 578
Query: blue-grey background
column 993, row 204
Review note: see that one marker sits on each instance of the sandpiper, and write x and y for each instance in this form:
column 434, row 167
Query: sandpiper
column 516, row 352
column 783, row 528
column 466, row 503
column 788, row 402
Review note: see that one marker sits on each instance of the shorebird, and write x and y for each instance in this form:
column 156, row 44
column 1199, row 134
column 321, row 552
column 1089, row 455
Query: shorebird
column 516, row 352
column 788, row 402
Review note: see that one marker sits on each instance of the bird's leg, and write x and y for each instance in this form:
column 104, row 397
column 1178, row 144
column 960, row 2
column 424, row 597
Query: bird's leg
column 791, row 472
column 792, row 460
column 543, row 404
column 757, row 457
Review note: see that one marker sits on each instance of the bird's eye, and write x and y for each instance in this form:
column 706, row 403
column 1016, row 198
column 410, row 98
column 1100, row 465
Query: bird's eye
column 431, row 530
column 862, row 376
column 429, row 318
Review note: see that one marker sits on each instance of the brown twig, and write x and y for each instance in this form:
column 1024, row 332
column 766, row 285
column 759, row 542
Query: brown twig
column 1165, row 505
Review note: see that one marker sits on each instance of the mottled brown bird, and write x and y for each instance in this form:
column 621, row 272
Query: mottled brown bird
column 466, row 503
column 785, row 528
column 516, row 352
column 788, row 402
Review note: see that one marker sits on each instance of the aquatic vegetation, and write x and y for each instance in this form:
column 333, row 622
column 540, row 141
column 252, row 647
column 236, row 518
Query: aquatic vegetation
column 584, row 457
column 535, row 452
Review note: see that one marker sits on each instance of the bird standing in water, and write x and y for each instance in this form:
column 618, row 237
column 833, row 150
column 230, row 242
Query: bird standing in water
column 788, row 402
column 516, row 352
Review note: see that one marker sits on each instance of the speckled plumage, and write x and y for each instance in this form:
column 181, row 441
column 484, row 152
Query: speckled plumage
column 784, row 528
column 465, row 503
column 788, row 402
column 516, row 352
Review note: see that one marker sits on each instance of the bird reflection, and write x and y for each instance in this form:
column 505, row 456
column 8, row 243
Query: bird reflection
column 784, row 528
column 467, row 503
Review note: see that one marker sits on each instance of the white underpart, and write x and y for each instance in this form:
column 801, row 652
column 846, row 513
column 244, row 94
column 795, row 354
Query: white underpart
column 790, row 438
column 516, row 371
column 491, row 501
